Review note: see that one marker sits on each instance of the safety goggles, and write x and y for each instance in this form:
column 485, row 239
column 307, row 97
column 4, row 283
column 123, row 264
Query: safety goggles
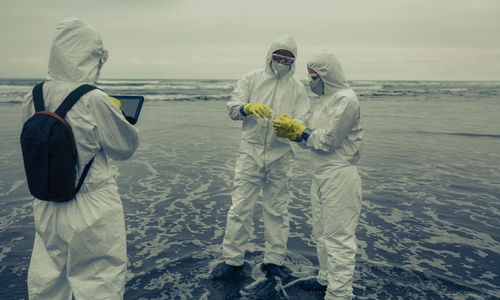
column 104, row 57
column 284, row 60
column 314, row 77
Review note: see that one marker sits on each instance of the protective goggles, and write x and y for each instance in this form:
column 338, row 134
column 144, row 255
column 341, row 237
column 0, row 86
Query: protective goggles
column 284, row 60
column 314, row 77
column 104, row 57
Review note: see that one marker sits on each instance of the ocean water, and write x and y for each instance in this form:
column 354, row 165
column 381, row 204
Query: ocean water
column 430, row 221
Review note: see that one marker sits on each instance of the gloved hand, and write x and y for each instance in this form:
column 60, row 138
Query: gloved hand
column 283, row 132
column 257, row 109
column 286, row 127
column 116, row 102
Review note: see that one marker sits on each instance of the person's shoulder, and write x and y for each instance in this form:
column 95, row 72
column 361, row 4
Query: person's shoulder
column 349, row 95
column 298, row 82
column 95, row 99
column 254, row 72
column 96, row 95
column 345, row 98
column 28, row 97
column 253, row 75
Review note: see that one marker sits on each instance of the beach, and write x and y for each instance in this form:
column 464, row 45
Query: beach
column 429, row 225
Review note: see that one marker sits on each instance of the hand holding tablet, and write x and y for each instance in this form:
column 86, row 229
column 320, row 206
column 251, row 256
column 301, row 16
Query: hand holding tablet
column 131, row 107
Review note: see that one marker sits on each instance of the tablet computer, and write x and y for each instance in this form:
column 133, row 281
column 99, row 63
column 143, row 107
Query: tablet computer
column 131, row 107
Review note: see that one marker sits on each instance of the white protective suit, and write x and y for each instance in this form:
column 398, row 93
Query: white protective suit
column 265, row 161
column 80, row 245
column 335, row 142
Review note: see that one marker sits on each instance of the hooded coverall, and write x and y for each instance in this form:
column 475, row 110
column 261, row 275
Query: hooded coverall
column 80, row 245
column 335, row 140
column 265, row 162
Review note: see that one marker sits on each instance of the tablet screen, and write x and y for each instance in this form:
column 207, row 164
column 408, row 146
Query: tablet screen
column 131, row 107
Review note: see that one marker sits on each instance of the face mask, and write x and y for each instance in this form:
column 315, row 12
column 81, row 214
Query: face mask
column 99, row 67
column 317, row 87
column 102, row 61
column 279, row 69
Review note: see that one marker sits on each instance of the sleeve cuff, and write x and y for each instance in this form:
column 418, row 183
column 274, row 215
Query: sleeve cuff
column 305, row 135
column 242, row 110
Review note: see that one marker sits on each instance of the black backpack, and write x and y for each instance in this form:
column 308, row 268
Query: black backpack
column 49, row 150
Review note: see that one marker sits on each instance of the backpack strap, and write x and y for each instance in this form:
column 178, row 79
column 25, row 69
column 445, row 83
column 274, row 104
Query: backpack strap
column 84, row 173
column 61, row 111
column 38, row 97
column 72, row 98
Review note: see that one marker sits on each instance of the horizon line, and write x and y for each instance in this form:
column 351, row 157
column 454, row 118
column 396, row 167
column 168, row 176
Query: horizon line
column 234, row 79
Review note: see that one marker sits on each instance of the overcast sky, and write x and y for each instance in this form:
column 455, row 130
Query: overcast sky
column 223, row 39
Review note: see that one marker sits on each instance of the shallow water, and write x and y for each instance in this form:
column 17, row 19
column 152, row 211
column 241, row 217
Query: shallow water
column 429, row 224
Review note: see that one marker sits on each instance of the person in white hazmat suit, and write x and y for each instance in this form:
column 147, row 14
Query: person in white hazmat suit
column 80, row 245
column 265, row 162
column 334, row 136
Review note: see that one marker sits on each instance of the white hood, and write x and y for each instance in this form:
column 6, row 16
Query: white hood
column 75, row 52
column 328, row 67
column 285, row 42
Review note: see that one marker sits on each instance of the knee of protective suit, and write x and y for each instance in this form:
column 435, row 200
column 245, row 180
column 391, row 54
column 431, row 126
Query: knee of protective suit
column 240, row 213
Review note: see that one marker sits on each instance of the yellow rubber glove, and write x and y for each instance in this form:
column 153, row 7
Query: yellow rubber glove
column 257, row 109
column 286, row 127
column 284, row 133
column 116, row 102
column 283, row 129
